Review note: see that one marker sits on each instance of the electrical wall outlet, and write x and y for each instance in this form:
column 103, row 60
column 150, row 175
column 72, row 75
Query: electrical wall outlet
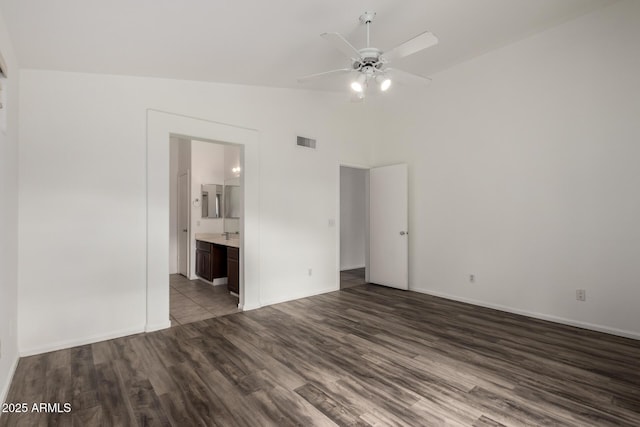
column 472, row 278
column 310, row 272
column 581, row 295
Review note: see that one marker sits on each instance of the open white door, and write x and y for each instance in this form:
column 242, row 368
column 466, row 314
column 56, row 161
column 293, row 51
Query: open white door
column 388, row 224
column 183, row 225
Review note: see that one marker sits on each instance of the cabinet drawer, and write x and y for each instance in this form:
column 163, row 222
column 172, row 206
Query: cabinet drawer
column 203, row 246
column 233, row 253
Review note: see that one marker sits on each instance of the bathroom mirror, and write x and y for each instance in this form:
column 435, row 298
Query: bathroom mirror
column 232, row 198
column 212, row 200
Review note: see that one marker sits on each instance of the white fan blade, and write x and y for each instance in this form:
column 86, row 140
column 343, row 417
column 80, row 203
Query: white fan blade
column 412, row 46
column 341, row 44
column 324, row 74
column 404, row 77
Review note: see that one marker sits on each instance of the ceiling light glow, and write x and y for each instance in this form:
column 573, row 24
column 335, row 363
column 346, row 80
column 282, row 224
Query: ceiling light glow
column 358, row 84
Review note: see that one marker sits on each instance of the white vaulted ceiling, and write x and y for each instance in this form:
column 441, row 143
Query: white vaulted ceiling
column 260, row 42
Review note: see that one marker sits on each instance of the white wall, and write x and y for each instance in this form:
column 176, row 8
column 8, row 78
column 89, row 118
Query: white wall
column 231, row 160
column 82, row 155
column 524, row 171
column 207, row 167
column 353, row 211
column 8, row 218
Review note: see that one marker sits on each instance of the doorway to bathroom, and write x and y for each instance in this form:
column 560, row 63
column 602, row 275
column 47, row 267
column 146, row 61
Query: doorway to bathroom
column 205, row 204
column 161, row 126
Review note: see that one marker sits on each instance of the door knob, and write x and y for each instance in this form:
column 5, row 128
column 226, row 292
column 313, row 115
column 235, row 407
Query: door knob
column 185, row 230
column 402, row 233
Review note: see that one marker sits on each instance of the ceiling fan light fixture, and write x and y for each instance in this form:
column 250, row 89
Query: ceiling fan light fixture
column 358, row 84
column 369, row 65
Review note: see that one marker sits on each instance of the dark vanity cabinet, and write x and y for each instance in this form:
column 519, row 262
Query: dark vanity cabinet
column 214, row 261
column 210, row 260
column 233, row 269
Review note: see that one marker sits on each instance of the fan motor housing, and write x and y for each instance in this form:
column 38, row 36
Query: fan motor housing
column 370, row 60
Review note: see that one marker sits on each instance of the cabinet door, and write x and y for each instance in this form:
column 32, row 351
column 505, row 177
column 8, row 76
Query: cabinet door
column 218, row 259
column 233, row 270
column 200, row 263
column 208, row 266
column 203, row 265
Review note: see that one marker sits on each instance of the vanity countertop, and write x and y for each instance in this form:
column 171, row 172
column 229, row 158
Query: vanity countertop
column 219, row 239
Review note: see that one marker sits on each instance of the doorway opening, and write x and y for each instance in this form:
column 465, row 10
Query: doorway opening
column 354, row 226
column 374, row 235
column 205, row 208
column 161, row 125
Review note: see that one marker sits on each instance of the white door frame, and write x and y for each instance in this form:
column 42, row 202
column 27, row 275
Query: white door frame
column 160, row 126
column 366, row 246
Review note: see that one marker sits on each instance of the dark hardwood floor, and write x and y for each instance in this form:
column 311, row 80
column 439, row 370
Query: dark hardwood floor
column 366, row 355
column 351, row 278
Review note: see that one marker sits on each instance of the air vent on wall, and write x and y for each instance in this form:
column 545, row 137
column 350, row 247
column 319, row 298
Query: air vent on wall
column 306, row 142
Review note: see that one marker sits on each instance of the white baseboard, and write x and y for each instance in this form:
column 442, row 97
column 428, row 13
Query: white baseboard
column 219, row 282
column 5, row 387
column 248, row 307
column 535, row 315
column 216, row 282
column 295, row 297
column 157, row 326
column 80, row 341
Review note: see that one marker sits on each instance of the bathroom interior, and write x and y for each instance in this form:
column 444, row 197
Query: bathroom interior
column 205, row 211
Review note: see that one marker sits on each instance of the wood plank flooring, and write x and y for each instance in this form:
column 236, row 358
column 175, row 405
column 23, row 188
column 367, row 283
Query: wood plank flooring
column 351, row 278
column 366, row 355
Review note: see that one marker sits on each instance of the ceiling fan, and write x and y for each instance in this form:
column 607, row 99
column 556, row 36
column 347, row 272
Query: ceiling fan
column 369, row 65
